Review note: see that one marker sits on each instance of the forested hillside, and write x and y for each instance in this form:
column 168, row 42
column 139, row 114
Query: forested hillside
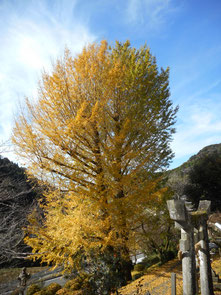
column 200, row 177
column 18, row 195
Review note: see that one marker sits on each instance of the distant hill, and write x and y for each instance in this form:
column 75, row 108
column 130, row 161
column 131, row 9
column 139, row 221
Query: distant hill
column 18, row 195
column 210, row 150
column 199, row 177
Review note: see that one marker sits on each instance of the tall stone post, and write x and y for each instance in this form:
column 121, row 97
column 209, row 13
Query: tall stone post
column 188, row 262
column 206, row 282
column 194, row 238
column 180, row 215
column 173, row 283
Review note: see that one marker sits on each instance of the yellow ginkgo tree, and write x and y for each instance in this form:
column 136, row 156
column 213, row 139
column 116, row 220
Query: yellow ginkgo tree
column 100, row 129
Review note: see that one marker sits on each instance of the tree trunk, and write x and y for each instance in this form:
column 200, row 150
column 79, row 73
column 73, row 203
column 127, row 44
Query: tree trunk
column 126, row 270
column 126, row 265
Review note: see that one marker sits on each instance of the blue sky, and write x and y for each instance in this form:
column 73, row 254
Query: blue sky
column 183, row 34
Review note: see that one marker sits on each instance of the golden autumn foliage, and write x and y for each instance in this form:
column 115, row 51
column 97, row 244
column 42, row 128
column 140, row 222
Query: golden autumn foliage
column 100, row 129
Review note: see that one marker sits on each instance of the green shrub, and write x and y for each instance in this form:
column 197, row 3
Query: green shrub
column 63, row 291
column 42, row 292
column 79, row 285
column 74, row 284
column 137, row 275
column 32, row 289
column 139, row 267
column 66, row 292
column 80, row 282
column 52, row 289
column 150, row 260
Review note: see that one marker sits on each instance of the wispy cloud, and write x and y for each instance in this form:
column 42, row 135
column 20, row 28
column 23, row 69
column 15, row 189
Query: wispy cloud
column 196, row 87
column 150, row 13
column 198, row 126
column 32, row 34
column 188, row 71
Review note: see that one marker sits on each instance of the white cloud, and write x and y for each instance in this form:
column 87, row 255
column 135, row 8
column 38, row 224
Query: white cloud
column 198, row 127
column 196, row 88
column 31, row 36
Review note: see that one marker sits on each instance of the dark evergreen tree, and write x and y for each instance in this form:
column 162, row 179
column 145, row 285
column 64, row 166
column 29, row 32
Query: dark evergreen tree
column 199, row 178
column 205, row 181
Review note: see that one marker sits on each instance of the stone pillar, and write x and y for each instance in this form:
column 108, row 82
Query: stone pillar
column 194, row 237
column 206, row 284
column 180, row 215
column 173, row 283
column 188, row 262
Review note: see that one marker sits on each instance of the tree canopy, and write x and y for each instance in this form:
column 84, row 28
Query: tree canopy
column 100, row 129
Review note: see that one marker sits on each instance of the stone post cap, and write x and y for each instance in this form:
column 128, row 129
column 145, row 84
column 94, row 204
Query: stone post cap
column 177, row 210
column 204, row 205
